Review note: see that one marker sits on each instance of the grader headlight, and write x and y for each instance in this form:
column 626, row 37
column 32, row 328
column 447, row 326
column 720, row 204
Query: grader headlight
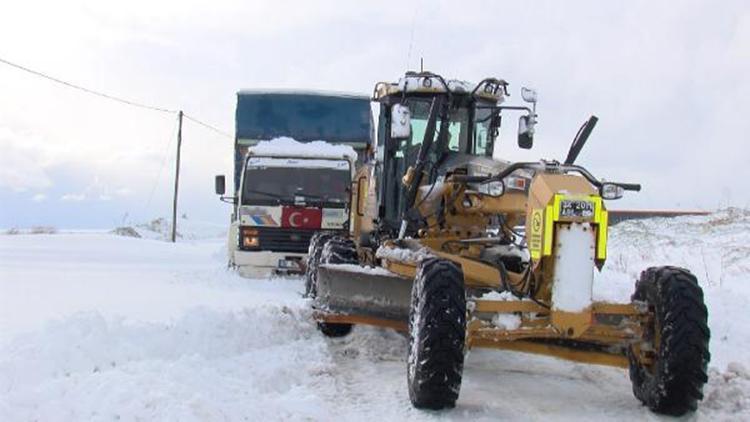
column 500, row 187
column 611, row 191
column 494, row 188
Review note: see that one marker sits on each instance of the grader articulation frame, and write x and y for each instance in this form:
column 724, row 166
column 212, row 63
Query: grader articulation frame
column 445, row 239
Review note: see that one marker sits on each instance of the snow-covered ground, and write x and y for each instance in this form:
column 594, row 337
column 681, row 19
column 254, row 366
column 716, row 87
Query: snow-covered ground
column 95, row 326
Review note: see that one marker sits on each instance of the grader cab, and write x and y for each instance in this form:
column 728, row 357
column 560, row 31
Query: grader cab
column 463, row 250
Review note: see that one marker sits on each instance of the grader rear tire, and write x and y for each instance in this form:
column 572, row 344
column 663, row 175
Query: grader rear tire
column 673, row 383
column 337, row 250
column 437, row 335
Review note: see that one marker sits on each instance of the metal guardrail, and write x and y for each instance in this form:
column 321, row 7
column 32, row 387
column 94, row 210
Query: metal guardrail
column 617, row 216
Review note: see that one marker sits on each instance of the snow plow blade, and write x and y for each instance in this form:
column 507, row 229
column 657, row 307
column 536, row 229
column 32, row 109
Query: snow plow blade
column 347, row 289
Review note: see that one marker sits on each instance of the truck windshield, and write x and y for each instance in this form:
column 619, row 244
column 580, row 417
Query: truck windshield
column 272, row 184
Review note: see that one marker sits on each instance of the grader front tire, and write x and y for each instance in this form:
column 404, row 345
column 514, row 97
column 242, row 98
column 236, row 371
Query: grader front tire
column 437, row 335
column 313, row 260
column 672, row 384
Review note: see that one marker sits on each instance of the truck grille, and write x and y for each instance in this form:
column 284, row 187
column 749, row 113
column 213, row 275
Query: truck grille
column 284, row 239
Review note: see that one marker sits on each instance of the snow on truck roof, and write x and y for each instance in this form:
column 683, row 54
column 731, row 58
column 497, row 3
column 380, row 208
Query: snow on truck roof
column 288, row 147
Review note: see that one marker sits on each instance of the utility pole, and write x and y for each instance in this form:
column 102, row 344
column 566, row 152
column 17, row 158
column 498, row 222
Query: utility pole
column 176, row 176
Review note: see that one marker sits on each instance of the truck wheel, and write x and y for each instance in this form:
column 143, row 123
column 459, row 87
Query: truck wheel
column 437, row 335
column 337, row 250
column 313, row 259
column 673, row 382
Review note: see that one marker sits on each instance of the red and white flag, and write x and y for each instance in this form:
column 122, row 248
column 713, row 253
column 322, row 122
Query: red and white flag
column 303, row 218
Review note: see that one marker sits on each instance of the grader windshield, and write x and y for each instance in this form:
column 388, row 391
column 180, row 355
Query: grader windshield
column 430, row 127
column 468, row 130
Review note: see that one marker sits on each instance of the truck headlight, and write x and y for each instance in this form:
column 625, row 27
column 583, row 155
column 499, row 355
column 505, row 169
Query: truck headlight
column 250, row 238
column 611, row 191
column 250, row 241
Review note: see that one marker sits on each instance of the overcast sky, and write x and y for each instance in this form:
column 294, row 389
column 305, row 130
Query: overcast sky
column 668, row 81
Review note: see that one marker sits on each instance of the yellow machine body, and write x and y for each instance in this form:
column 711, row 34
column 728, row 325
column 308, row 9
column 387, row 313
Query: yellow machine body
column 464, row 250
column 610, row 327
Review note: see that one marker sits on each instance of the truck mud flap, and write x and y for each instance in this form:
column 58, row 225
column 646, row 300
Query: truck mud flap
column 353, row 290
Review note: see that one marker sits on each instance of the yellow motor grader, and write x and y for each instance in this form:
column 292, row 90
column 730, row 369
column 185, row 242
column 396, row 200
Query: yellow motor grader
column 462, row 250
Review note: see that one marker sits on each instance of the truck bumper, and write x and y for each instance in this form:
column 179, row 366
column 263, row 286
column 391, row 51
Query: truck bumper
column 267, row 263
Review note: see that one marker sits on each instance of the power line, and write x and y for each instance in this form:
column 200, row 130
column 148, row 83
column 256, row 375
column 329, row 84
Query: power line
column 111, row 97
column 180, row 115
column 89, row 91
column 206, row 125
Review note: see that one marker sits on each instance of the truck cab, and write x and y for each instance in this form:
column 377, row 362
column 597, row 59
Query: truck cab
column 296, row 153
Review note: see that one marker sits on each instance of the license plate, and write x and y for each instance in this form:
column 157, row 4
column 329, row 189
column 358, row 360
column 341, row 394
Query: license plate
column 289, row 264
column 576, row 208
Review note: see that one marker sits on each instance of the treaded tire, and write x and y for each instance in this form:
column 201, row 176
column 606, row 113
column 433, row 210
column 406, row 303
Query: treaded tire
column 437, row 335
column 339, row 250
column 673, row 384
column 313, row 259
column 336, row 250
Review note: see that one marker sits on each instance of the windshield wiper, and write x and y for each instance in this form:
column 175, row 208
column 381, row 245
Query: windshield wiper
column 270, row 194
column 321, row 198
column 307, row 195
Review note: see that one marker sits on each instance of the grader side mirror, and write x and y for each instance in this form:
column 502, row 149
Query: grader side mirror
column 525, row 132
column 220, row 185
column 528, row 95
column 400, row 122
column 527, row 123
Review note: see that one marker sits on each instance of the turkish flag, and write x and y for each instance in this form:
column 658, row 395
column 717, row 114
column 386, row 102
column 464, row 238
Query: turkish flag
column 303, row 218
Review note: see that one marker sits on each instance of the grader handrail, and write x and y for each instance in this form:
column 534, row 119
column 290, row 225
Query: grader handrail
column 544, row 166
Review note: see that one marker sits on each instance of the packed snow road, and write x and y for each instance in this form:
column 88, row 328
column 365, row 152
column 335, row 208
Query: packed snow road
column 99, row 327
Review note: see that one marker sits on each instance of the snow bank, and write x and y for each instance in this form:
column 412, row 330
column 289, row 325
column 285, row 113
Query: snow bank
column 96, row 326
column 206, row 365
column 31, row 230
column 161, row 229
column 727, row 395
column 716, row 248
column 286, row 146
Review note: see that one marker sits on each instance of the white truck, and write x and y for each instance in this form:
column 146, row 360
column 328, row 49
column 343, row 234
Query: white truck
column 286, row 190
